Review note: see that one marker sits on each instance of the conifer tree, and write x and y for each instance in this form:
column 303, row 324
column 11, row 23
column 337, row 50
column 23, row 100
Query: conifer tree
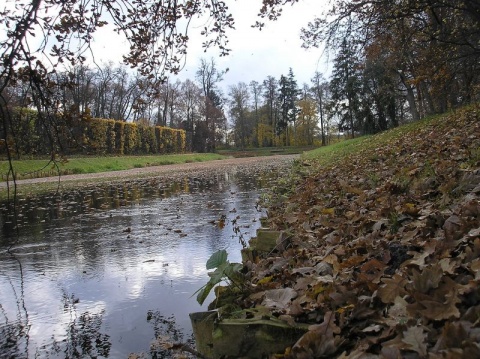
column 288, row 97
column 345, row 86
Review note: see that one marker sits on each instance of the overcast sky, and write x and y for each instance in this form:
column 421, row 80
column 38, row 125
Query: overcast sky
column 255, row 54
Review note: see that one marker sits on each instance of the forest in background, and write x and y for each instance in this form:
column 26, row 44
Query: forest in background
column 391, row 64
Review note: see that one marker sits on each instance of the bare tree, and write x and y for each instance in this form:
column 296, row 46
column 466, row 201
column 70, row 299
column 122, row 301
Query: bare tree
column 209, row 76
column 239, row 111
column 256, row 90
column 189, row 108
column 319, row 89
column 40, row 38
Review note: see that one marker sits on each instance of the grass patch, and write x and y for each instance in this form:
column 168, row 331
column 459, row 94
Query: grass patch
column 78, row 165
column 367, row 145
column 328, row 154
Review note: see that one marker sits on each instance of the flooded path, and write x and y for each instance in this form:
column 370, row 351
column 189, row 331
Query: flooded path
column 108, row 271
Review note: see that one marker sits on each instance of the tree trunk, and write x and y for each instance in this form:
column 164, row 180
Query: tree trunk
column 410, row 98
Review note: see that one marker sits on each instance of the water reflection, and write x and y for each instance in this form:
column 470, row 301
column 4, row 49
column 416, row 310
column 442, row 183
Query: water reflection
column 108, row 271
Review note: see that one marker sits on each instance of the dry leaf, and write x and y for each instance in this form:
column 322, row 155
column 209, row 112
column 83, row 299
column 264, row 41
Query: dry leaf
column 279, row 298
column 320, row 340
column 393, row 288
column 414, row 337
column 427, row 279
column 443, row 305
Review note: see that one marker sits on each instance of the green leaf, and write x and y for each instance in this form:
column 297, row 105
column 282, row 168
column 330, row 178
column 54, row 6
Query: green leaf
column 219, row 274
column 233, row 269
column 217, row 259
column 204, row 292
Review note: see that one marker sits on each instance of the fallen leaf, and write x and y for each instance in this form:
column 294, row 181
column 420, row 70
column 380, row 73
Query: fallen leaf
column 414, row 337
column 265, row 280
column 279, row 298
column 427, row 279
column 452, row 227
column 396, row 314
column 443, row 306
column 320, row 340
column 328, row 211
column 392, row 288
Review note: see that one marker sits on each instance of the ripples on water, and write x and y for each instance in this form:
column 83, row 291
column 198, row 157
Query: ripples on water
column 104, row 272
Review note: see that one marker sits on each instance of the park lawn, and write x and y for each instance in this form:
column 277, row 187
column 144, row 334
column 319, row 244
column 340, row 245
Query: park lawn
column 78, row 165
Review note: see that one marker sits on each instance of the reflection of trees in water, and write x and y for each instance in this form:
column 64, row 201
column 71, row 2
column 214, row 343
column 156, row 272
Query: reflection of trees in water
column 83, row 335
column 32, row 215
column 83, row 338
column 12, row 336
column 37, row 212
column 15, row 335
column 166, row 335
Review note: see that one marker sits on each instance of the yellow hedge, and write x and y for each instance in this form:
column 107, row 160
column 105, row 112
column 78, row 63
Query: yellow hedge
column 76, row 133
column 130, row 138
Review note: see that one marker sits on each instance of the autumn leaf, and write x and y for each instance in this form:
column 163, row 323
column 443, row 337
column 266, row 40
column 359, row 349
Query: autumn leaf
column 390, row 353
column 328, row 211
column 443, row 305
column 452, row 227
column 427, row 279
column 374, row 328
column 453, row 335
column 265, row 280
column 373, row 265
column 320, row 340
column 410, row 209
column 414, row 337
column 447, row 265
column 371, row 271
column 392, row 288
column 279, row 298
column 291, row 218
column 419, row 258
column 397, row 314
column 475, row 268
column 352, row 261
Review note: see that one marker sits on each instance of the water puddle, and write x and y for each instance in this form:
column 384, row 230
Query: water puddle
column 106, row 272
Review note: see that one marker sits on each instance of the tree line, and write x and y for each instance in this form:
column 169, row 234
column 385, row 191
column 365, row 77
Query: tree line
column 424, row 53
column 391, row 63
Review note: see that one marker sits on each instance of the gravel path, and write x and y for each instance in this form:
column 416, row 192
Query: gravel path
column 163, row 171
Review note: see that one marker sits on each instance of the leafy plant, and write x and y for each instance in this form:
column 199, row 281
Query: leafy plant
column 224, row 271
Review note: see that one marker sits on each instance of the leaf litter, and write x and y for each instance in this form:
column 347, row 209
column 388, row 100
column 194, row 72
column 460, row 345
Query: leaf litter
column 383, row 253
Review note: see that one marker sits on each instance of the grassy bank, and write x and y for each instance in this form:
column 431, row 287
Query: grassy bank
column 39, row 168
column 339, row 151
column 78, row 165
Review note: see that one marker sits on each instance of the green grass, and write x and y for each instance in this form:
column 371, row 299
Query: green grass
column 331, row 154
column 78, row 165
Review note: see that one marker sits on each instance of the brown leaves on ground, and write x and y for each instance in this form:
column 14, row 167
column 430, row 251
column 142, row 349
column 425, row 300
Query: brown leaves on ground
column 384, row 257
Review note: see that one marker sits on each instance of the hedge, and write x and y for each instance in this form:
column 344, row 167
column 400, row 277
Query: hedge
column 85, row 135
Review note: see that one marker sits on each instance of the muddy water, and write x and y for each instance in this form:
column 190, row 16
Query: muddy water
column 108, row 271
